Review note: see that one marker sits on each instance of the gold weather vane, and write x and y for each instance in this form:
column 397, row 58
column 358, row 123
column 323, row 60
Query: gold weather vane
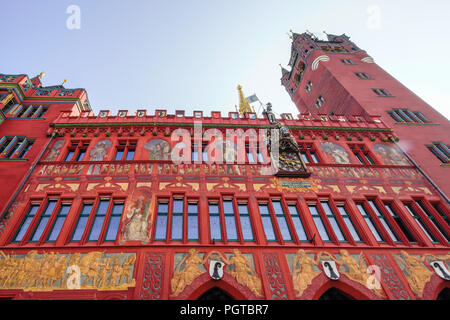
column 244, row 106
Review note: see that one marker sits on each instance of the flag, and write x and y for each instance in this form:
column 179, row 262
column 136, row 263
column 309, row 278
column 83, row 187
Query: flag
column 252, row 98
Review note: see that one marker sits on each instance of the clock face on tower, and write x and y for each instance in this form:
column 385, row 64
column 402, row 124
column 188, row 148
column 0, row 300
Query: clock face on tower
column 290, row 162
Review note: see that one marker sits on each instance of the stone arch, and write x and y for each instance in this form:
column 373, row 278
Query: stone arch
column 228, row 284
column 444, row 294
column 434, row 287
column 335, row 294
column 322, row 283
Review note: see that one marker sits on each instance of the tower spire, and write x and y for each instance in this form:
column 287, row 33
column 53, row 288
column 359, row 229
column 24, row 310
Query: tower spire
column 244, row 106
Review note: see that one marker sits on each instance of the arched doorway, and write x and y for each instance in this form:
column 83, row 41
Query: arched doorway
column 335, row 294
column 444, row 294
column 215, row 293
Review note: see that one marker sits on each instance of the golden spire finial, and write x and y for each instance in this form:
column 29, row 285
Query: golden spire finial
column 244, row 106
column 41, row 75
column 65, row 80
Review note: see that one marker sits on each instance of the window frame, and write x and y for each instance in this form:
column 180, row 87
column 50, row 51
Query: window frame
column 77, row 147
column 125, row 146
column 363, row 154
column 421, row 220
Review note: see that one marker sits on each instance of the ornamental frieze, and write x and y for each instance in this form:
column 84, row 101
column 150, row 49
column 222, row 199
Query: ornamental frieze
column 54, row 271
column 191, row 265
column 418, row 269
column 306, row 266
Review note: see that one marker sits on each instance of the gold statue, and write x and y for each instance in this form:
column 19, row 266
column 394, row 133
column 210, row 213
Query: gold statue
column 47, row 271
column 183, row 278
column 356, row 271
column 304, row 274
column 244, row 273
column 244, row 106
column 418, row 274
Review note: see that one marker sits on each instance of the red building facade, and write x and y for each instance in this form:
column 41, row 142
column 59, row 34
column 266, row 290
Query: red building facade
column 108, row 213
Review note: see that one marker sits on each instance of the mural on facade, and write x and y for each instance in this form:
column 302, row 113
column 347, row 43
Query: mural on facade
column 98, row 153
column 158, row 149
column 305, row 267
column 417, row 269
column 55, row 151
column 304, row 270
column 355, row 268
column 191, row 265
column 50, row 271
column 188, row 267
column 390, row 155
column 338, row 153
column 137, row 222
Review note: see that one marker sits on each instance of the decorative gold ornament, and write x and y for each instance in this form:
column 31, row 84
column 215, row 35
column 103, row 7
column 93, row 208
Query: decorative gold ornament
column 416, row 273
column 191, row 270
column 52, row 271
column 303, row 271
column 355, row 271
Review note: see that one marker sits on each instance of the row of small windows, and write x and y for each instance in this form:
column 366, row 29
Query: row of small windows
column 231, row 220
column 126, row 150
column 441, row 151
column 15, row 147
column 13, row 110
column 408, row 116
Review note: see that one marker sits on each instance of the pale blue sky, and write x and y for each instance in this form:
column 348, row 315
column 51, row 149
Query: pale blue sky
column 192, row 54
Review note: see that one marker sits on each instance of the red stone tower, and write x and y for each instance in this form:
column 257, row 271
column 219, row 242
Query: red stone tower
column 336, row 77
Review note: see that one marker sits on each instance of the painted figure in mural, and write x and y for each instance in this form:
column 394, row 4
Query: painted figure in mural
column 37, row 272
column 99, row 151
column 303, row 271
column 55, row 151
column 390, row 155
column 158, row 149
column 417, row 274
column 337, row 152
column 230, row 152
column 244, row 273
column 356, row 271
column 191, row 270
column 136, row 224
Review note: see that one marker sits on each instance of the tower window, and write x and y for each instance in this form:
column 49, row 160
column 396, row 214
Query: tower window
column 440, row 150
column 347, row 61
column 319, row 102
column 363, row 75
column 308, row 87
column 408, row 116
column 382, row 92
column 14, row 147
